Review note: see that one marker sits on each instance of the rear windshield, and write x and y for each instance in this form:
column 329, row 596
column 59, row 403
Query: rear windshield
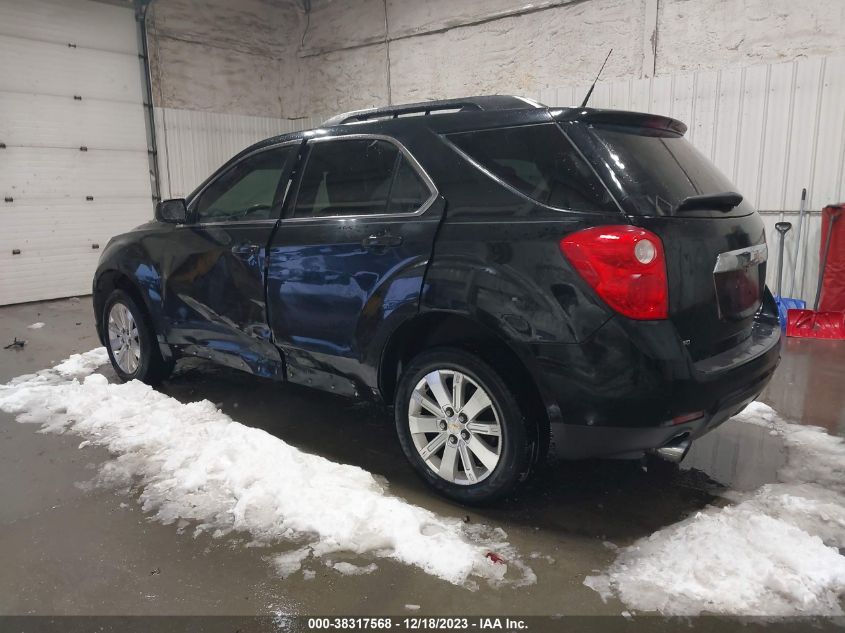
column 657, row 170
column 539, row 162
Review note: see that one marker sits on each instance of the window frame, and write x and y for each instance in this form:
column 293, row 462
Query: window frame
column 577, row 150
column 287, row 171
column 289, row 206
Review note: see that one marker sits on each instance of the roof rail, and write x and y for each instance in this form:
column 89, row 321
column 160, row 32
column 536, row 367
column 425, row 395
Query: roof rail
column 463, row 104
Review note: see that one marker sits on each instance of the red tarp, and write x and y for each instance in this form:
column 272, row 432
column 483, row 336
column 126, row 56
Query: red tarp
column 809, row 324
column 833, row 288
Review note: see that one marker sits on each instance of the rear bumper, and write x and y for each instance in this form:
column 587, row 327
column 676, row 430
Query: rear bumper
column 622, row 392
column 574, row 441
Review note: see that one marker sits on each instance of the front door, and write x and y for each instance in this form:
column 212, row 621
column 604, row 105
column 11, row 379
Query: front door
column 214, row 277
column 348, row 260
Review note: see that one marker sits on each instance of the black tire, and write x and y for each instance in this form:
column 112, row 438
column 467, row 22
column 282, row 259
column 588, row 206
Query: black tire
column 152, row 368
column 517, row 450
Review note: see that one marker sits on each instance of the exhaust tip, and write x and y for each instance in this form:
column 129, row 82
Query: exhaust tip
column 675, row 450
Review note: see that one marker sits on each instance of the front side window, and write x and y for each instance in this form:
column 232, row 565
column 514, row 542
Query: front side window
column 358, row 177
column 246, row 191
column 539, row 162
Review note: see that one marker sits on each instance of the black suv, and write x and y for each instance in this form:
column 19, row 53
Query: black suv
column 510, row 277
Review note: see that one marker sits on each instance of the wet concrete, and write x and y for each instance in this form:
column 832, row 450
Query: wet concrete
column 739, row 456
column 69, row 548
column 809, row 386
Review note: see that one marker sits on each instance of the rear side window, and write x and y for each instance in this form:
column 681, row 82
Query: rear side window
column 358, row 177
column 408, row 191
column 658, row 170
column 538, row 161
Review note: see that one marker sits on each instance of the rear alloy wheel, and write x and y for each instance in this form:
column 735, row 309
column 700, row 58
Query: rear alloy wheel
column 450, row 411
column 461, row 427
column 130, row 341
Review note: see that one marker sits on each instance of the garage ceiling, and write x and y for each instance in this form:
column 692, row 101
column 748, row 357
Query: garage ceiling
column 74, row 170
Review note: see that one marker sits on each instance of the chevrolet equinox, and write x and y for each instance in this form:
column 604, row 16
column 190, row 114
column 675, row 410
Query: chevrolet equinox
column 511, row 278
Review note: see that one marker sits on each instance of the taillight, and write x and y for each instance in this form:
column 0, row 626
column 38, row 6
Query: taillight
column 625, row 265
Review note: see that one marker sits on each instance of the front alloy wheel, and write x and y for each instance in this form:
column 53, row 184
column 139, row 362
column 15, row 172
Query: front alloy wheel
column 131, row 341
column 123, row 338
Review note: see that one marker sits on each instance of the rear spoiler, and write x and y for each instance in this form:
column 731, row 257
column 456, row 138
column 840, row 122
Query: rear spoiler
column 619, row 117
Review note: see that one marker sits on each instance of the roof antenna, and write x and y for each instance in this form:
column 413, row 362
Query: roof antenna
column 590, row 91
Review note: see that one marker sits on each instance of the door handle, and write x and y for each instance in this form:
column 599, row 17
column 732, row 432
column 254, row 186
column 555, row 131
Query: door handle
column 246, row 250
column 384, row 239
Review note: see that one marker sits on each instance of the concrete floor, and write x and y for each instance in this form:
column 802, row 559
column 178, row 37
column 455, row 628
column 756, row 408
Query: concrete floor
column 68, row 548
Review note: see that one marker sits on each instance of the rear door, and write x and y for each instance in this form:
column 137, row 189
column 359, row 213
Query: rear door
column 348, row 260
column 716, row 258
column 214, row 268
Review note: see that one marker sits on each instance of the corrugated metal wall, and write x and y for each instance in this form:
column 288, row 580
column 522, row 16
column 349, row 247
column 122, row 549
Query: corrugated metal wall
column 193, row 144
column 773, row 129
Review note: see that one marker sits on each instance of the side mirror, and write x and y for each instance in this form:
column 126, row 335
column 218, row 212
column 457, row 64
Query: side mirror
column 174, row 211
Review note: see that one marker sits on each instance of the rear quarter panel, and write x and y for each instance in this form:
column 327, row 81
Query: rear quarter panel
column 497, row 258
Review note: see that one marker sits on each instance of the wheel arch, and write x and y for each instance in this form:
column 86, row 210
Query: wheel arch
column 445, row 329
column 111, row 279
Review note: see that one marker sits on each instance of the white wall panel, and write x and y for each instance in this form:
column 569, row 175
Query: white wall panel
column 48, row 273
column 703, row 120
column 827, row 182
column 727, row 121
column 47, row 226
column 40, row 225
column 749, row 146
column 38, row 173
column 55, row 69
column 91, row 25
column 776, row 137
column 49, row 121
column 807, row 96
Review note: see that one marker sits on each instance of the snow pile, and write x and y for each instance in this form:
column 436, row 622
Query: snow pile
column 79, row 365
column 36, row 326
column 773, row 553
column 193, row 462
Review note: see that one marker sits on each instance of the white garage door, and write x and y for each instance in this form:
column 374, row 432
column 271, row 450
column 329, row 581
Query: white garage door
column 73, row 150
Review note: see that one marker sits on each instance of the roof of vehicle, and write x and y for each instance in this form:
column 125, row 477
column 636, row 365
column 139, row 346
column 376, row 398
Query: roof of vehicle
column 449, row 116
column 468, row 113
column 462, row 104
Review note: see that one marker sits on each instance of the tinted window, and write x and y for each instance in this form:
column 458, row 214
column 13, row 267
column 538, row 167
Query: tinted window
column 408, row 192
column 358, row 177
column 658, row 170
column 246, row 191
column 538, row 161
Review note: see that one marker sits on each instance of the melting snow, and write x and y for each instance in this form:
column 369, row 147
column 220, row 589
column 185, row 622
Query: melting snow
column 36, row 326
column 193, row 462
column 348, row 569
column 773, row 553
column 290, row 562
